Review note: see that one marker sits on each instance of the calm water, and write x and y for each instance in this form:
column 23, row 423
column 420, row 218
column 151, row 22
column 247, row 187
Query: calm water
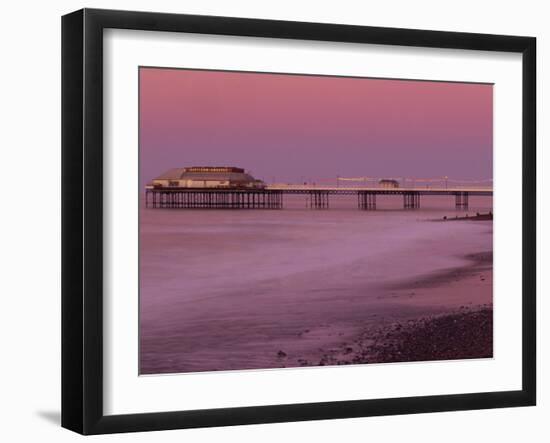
column 229, row 289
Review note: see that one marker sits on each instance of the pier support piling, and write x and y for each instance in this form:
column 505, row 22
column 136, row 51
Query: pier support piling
column 411, row 200
column 318, row 199
column 216, row 199
column 461, row 200
column 366, row 200
column 266, row 198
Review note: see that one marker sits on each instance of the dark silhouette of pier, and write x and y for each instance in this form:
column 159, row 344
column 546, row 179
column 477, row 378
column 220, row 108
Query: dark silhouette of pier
column 200, row 198
column 317, row 197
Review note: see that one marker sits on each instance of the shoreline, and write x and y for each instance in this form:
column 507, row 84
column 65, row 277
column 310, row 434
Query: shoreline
column 445, row 315
column 478, row 263
column 457, row 326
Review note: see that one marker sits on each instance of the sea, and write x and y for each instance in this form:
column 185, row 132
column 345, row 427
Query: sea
column 258, row 289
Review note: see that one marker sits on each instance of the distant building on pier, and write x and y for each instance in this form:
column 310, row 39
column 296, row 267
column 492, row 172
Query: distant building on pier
column 388, row 183
column 207, row 177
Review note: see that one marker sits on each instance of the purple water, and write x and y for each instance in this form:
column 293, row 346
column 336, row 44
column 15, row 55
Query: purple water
column 229, row 289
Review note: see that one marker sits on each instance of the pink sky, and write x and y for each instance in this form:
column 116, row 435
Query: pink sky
column 293, row 128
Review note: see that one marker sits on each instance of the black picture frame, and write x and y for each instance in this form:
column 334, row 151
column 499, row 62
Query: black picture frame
column 82, row 216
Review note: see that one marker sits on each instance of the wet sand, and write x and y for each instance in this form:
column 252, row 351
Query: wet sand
column 454, row 320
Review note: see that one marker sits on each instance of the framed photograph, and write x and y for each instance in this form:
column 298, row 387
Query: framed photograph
column 269, row 221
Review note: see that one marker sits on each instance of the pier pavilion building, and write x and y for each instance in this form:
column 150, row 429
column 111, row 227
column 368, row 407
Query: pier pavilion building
column 388, row 183
column 207, row 177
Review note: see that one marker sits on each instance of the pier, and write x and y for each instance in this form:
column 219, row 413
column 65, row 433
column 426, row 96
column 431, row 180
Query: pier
column 317, row 197
column 214, row 198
